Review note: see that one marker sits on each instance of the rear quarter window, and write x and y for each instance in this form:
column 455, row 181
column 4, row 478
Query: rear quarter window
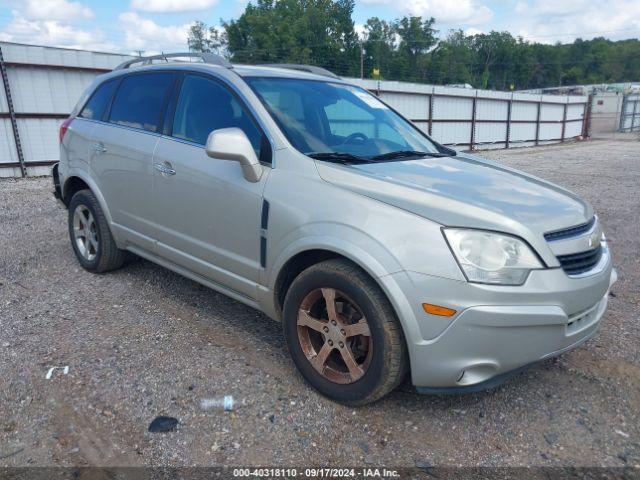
column 95, row 108
column 140, row 99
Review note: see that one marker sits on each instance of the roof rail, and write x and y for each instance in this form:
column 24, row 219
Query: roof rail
column 210, row 58
column 303, row 68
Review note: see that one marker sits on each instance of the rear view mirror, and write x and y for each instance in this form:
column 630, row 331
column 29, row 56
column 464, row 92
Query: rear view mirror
column 233, row 144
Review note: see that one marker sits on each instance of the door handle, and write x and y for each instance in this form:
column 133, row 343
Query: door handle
column 99, row 147
column 164, row 169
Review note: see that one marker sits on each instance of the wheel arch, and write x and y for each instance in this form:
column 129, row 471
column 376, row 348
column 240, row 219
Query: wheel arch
column 310, row 252
column 77, row 180
column 294, row 266
column 71, row 187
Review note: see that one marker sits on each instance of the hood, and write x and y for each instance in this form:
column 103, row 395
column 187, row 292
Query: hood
column 464, row 191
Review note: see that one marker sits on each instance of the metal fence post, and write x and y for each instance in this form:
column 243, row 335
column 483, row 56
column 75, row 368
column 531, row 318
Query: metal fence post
column 564, row 120
column 509, row 105
column 586, row 116
column 473, row 121
column 623, row 112
column 633, row 115
column 538, row 122
column 432, row 97
column 12, row 115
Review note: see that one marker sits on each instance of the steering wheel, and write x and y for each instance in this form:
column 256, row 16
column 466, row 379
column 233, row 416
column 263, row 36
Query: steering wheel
column 355, row 136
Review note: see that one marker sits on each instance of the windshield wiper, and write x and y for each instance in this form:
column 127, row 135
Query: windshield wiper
column 337, row 157
column 407, row 153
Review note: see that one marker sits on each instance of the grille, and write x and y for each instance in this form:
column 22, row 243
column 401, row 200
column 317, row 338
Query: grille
column 570, row 232
column 577, row 263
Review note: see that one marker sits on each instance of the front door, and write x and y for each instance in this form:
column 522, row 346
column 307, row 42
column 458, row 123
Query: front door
column 207, row 213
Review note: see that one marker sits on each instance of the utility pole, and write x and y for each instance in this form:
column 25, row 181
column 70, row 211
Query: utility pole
column 139, row 52
column 361, row 59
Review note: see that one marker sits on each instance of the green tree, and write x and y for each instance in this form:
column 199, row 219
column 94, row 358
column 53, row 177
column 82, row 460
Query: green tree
column 321, row 32
column 451, row 60
column 205, row 39
column 417, row 37
column 379, row 47
column 495, row 56
column 197, row 40
column 318, row 32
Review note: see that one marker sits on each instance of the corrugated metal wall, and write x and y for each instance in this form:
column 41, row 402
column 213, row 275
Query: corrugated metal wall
column 630, row 117
column 482, row 119
column 46, row 82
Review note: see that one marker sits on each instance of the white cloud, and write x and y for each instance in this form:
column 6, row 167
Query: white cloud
column 54, row 33
column 144, row 34
column 473, row 31
column 131, row 33
column 548, row 21
column 552, row 8
column 520, row 7
column 172, row 5
column 55, row 10
column 466, row 12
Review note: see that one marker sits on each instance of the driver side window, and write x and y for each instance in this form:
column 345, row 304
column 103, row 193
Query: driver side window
column 205, row 105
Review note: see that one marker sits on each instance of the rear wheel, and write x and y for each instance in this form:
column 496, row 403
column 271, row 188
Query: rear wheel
column 343, row 334
column 91, row 238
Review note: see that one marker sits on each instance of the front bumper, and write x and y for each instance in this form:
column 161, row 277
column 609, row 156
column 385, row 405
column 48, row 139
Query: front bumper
column 499, row 330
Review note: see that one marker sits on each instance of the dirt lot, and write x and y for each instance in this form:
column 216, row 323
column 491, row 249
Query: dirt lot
column 143, row 341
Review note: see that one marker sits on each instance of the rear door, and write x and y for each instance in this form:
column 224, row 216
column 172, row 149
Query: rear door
column 208, row 215
column 122, row 151
column 79, row 147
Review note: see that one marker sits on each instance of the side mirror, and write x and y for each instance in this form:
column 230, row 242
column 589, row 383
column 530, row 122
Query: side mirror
column 233, row 144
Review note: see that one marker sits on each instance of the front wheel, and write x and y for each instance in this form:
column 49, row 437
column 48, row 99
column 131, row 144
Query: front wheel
column 91, row 238
column 343, row 334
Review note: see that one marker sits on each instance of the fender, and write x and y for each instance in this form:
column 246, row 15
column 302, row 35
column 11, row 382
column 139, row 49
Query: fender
column 86, row 178
column 379, row 263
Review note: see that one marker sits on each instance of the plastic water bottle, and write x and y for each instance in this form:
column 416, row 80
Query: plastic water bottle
column 225, row 403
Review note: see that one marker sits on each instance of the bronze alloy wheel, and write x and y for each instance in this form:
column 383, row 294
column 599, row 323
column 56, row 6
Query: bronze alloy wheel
column 334, row 335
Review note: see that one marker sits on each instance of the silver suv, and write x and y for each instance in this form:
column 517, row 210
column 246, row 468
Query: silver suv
column 381, row 251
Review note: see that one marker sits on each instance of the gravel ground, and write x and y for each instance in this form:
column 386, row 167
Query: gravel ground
column 143, row 341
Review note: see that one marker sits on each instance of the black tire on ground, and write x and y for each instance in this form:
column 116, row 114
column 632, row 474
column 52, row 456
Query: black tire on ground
column 107, row 256
column 389, row 360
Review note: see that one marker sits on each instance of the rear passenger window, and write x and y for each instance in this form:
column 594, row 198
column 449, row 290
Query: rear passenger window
column 139, row 101
column 204, row 105
column 94, row 109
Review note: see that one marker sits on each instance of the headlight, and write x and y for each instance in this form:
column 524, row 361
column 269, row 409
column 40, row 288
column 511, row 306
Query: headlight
column 487, row 257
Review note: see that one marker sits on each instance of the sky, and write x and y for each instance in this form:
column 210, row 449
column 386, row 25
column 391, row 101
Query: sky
column 126, row 26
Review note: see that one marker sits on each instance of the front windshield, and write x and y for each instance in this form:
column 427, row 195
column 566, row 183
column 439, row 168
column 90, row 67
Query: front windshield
column 325, row 117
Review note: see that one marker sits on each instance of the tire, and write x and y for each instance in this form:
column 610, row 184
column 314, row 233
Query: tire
column 90, row 235
column 378, row 349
